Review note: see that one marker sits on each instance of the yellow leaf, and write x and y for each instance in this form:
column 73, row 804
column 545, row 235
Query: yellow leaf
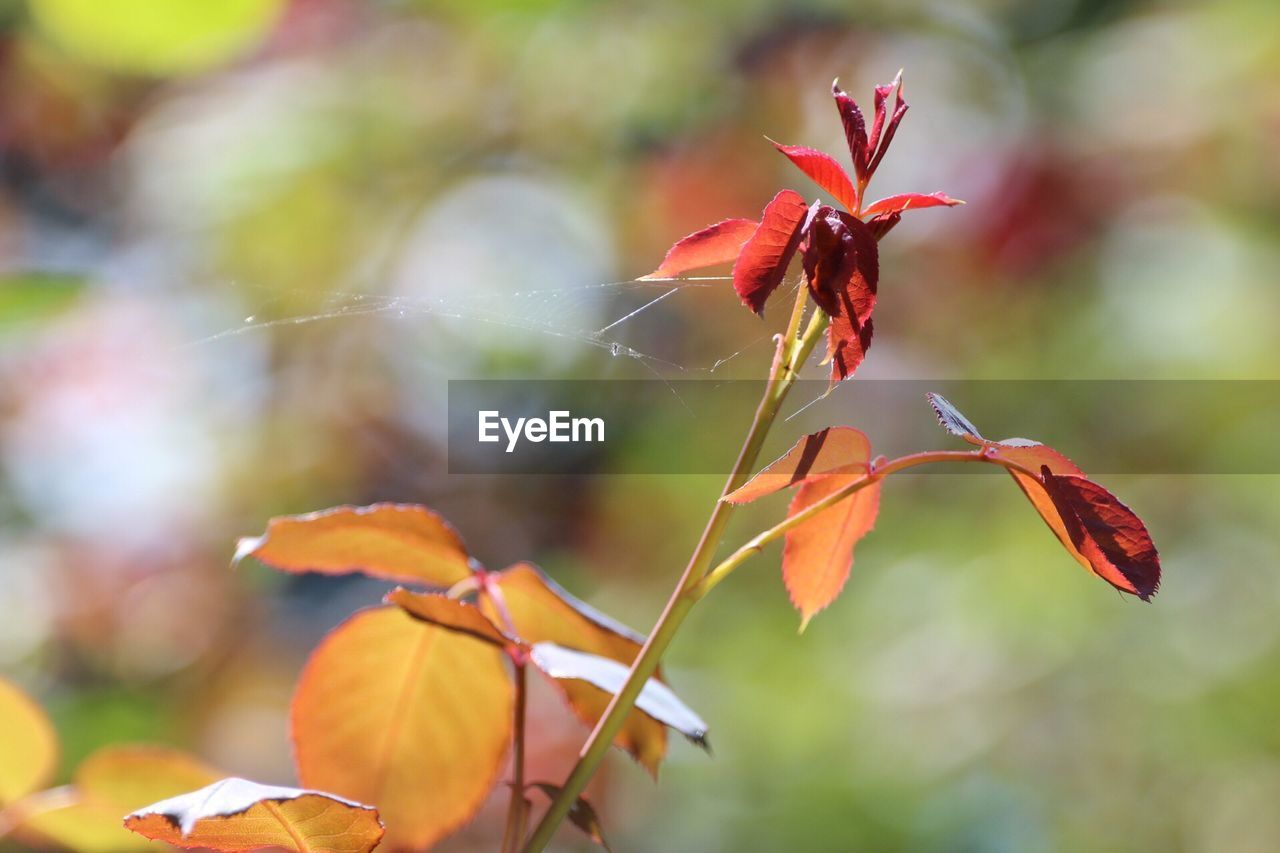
column 28, row 745
column 407, row 716
column 545, row 613
column 397, row 542
column 236, row 815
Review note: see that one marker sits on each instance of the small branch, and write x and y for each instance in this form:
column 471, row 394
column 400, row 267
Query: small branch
column 756, row 543
column 518, row 808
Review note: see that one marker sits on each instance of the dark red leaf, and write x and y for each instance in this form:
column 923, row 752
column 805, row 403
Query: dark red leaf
column 1110, row 536
column 909, row 201
column 715, row 244
column 881, row 142
column 855, row 129
column 842, row 264
column 841, row 259
column 764, row 258
column 883, row 224
column 824, row 171
column 882, row 96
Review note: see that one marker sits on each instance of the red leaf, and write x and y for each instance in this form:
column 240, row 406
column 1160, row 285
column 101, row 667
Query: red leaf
column 818, row 553
column 881, row 99
column 765, row 256
column 824, row 171
column 881, row 143
column 1110, row 536
column 909, row 201
column 883, row 224
column 842, row 264
column 1131, row 566
column 855, row 129
column 715, row 244
column 834, row 450
column 841, row 259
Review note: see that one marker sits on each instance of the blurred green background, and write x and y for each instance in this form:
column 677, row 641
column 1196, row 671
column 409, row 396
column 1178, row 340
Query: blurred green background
column 244, row 244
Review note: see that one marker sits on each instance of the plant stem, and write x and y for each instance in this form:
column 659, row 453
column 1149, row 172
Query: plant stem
column 756, row 543
column 789, row 356
column 518, row 810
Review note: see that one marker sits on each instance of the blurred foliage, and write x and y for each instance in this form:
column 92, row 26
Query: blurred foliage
column 244, row 245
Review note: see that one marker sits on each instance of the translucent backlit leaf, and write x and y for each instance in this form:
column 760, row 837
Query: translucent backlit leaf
column 1110, row 536
column 716, row 244
column 833, row 450
column 28, row 744
column 855, row 129
column 656, row 699
column 824, row 171
column 818, row 554
column 85, row 816
column 156, row 36
column 448, row 613
column 544, row 612
column 764, row 258
column 236, row 814
column 398, row 542
column 407, row 716
column 581, row 814
column 1098, row 531
column 909, row 201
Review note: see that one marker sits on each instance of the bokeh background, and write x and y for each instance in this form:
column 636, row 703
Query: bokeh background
column 244, row 244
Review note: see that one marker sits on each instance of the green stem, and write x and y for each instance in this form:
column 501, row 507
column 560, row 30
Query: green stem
column 790, row 355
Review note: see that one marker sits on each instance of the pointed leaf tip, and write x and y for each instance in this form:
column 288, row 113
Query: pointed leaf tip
column 656, row 699
column 1109, row 534
column 716, row 244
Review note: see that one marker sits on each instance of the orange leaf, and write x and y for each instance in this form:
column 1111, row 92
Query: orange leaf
column 448, row 613
column 834, row 450
column 28, row 744
column 85, row 816
column 397, row 542
column 715, row 244
column 543, row 612
column 404, row 715
column 818, row 553
column 236, row 815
